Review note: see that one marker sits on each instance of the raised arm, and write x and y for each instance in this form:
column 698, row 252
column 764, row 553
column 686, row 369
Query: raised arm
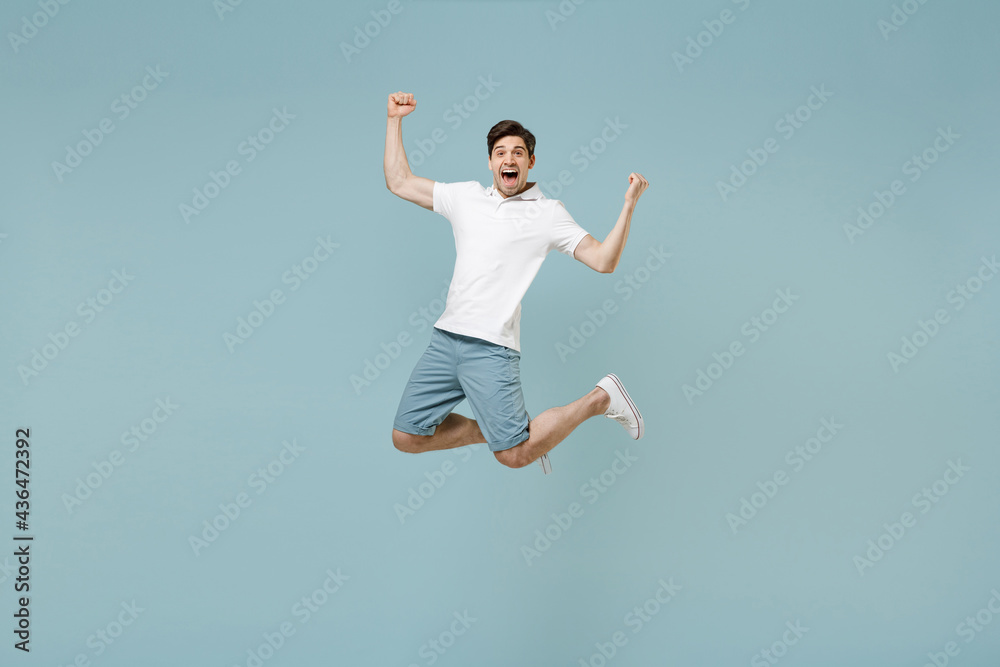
column 604, row 257
column 398, row 177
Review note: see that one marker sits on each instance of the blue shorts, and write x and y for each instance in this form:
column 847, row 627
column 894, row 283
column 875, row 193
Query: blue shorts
column 454, row 367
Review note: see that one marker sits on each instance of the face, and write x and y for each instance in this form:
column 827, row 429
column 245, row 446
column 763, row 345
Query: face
column 510, row 157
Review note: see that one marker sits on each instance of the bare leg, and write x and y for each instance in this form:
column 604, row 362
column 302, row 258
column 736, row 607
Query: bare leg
column 544, row 431
column 455, row 431
column 552, row 426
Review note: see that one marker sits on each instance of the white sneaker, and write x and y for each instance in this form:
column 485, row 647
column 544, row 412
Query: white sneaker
column 622, row 409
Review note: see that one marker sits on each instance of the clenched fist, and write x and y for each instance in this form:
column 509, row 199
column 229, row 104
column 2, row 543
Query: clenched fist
column 637, row 185
column 401, row 104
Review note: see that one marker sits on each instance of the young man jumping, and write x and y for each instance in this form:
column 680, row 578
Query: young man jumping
column 502, row 235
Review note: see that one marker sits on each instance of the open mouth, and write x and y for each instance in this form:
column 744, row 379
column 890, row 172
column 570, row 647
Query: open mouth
column 509, row 177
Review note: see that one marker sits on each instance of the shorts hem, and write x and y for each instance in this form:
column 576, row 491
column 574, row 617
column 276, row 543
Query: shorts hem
column 510, row 443
column 411, row 429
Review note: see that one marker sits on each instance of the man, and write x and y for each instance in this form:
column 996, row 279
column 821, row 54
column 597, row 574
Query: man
column 502, row 235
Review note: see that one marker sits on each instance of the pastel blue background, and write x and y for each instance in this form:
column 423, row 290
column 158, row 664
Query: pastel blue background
column 333, row 506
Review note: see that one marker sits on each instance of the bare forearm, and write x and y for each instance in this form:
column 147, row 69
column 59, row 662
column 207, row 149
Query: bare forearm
column 614, row 244
column 396, row 167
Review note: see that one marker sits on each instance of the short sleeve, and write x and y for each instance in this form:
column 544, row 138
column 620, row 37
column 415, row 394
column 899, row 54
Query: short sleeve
column 566, row 234
column 444, row 198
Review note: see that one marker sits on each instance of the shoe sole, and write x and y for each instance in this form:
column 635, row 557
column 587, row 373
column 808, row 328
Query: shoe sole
column 628, row 399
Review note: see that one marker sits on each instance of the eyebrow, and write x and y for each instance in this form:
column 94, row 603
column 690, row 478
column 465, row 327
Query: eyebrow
column 497, row 148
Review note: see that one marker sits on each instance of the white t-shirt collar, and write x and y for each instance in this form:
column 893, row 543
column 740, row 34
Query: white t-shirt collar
column 532, row 193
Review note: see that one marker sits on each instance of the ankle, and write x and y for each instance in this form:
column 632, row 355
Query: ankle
column 601, row 400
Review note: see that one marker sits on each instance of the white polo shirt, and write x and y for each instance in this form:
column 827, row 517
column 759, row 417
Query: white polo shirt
column 500, row 244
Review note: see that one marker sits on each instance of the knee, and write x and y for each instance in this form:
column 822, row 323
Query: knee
column 513, row 457
column 406, row 442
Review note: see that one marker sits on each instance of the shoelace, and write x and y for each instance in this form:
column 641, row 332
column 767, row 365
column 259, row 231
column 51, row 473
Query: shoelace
column 620, row 417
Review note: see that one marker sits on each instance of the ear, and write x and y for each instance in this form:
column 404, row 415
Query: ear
column 531, row 162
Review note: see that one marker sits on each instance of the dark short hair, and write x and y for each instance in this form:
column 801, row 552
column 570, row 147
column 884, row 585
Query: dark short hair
column 510, row 128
